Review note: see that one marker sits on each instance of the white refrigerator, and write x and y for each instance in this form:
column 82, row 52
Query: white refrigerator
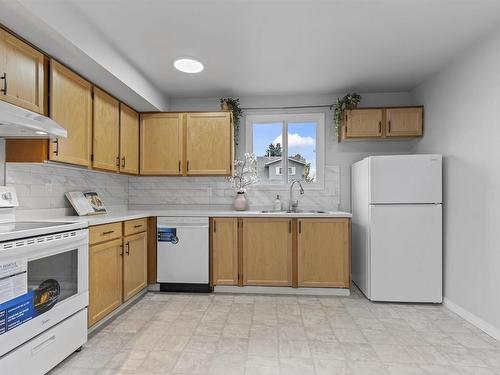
column 397, row 227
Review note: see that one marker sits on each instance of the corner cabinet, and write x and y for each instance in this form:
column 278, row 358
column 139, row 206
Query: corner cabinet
column 209, row 140
column 22, row 72
column 129, row 140
column 71, row 107
column 321, row 257
column 186, row 144
column 382, row 123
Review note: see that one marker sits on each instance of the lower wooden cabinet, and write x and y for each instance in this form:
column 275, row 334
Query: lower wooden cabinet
column 105, row 279
column 298, row 252
column 322, row 259
column 225, row 251
column 135, row 263
column 267, row 252
column 117, row 265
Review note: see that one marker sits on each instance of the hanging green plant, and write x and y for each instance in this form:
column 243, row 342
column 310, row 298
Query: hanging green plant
column 349, row 101
column 233, row 105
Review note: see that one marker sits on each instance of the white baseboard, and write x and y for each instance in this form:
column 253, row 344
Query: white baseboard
column 472, row 319
column 282, row 290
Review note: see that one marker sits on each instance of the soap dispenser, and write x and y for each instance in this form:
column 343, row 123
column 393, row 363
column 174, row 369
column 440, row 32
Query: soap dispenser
column 277, row 203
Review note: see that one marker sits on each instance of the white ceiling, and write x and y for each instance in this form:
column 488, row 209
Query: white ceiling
column 277, row 47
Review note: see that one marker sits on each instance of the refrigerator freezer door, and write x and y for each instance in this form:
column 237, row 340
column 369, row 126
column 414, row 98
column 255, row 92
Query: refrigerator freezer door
column 406, row 253
column 406, row 179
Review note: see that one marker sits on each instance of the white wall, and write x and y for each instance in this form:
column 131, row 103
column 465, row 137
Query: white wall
column 338, row 155
column 462, row 121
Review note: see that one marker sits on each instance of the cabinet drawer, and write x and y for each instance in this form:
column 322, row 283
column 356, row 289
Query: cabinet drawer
column 135, row 226
column 105, row 232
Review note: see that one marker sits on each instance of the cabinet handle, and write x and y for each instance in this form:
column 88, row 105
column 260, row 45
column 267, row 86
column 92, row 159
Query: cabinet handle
column 123, row 162
column 300, row 226
column 121, row 250
column 187, row 166
column 215, row 226
column 380, row 126
column 389, row 126
column 56, row 146
column 138, row 226
column 289, row 226
column 117, row 161
column 108, row 232
column 179, row 165
column 4, row 77
column 127, row 248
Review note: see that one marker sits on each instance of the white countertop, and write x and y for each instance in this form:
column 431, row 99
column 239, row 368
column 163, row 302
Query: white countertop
column 130, row 215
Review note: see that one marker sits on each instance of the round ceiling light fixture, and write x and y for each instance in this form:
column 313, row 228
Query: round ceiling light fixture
column 188, row 65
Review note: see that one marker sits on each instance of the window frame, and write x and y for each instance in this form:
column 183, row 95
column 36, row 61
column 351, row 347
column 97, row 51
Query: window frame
column 285, row 119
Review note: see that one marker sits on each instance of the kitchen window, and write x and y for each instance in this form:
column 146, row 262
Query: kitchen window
column 298, row 136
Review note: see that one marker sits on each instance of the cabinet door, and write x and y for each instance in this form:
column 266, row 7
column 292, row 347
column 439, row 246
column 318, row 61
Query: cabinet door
column 209, row 142
column 105, row 279
column 161, row 144
column 267, row 252
column 106, row 131
column 71, row 107
column 404, row 122
column 135, row 265
column 225, row 251
column 363, row 123
column 323, row 253
column 129, row 140
column 22, row 69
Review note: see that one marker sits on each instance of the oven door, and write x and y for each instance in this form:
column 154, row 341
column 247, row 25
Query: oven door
column 49, row 285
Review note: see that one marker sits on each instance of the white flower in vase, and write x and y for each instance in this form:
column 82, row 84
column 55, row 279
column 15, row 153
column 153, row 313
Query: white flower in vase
column 245, row 174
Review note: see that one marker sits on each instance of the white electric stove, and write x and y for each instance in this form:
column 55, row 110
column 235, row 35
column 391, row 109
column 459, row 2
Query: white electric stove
column 43, row 290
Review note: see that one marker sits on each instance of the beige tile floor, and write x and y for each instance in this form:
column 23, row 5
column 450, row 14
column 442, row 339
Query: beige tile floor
column 241, row 334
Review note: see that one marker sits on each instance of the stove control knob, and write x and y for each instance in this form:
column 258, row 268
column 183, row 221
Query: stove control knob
column 7, row 196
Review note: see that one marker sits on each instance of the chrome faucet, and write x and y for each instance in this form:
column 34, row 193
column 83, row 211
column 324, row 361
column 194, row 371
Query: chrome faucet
column 292, row 206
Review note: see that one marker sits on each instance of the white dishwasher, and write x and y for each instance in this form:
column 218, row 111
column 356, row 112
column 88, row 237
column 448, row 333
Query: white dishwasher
column 182, row 254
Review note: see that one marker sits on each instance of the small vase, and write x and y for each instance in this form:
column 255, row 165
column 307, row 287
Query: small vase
column 240, row 202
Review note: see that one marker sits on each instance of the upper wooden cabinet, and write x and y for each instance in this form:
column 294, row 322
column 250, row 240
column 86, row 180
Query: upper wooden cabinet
column 209, row 142
column 105, row 151
column 225, row 251
column 363, row 123
column 129, row 140
column 192, row 144
column 322, row 257
column 267, row 252
column 161, row 144
column 22, row 74
column 382, row 123
column 71, row 107
column 404, row 122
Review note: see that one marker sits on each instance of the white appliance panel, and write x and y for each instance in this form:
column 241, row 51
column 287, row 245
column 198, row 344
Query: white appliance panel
column 405, row 179
column 360, row 259
column 185, row 260
column 406, row 253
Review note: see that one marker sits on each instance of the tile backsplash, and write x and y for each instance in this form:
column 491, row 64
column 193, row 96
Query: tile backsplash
column 42, row 186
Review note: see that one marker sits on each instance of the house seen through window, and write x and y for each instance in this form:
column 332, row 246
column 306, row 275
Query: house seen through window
column 286, row 143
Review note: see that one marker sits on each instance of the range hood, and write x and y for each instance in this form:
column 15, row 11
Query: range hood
column 17, row 122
